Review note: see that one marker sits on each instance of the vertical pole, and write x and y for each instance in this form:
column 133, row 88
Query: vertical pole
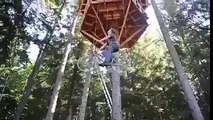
column 116, row 92
column 190, row 98
column 85, row 96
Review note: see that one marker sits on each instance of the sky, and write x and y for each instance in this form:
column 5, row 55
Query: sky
column 151, row 30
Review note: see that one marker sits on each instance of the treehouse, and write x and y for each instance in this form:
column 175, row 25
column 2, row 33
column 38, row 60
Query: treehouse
column 126, row 16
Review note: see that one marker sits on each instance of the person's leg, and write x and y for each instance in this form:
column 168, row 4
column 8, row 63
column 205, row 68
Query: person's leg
column 107, row 55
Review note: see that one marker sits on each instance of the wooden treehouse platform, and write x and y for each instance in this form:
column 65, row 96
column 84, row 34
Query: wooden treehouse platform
column 124, row 15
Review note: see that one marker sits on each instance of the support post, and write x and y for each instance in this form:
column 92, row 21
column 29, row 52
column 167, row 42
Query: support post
column 190, row 98
column 102, row 27
column 116, row 92
column 132, row 36
column 85, row 96
column 124, row 21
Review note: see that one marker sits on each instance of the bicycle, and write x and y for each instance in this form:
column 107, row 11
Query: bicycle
column 90, row 62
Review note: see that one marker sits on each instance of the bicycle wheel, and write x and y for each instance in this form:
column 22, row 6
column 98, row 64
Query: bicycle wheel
column 83, row 63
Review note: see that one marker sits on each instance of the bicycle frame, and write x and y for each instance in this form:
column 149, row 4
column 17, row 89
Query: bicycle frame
column 96, row 57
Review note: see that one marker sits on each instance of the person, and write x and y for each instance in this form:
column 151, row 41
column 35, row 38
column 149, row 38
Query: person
column 111, row 46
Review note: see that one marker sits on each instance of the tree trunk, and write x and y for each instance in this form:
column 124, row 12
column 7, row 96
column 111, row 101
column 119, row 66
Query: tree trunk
column 116, row 93
column 190, row 98
column 57, row 85
column 85, row 96
column 69, row 117
column 30, row 83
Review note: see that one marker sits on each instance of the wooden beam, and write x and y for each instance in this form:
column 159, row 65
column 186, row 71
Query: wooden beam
column 89, row 35
column 81, row 4
column 95, row 29
column 134, row 10
column 91, row 15
column 95, row 35
column 112, row 15
column 138, row 5
column 147, row 2
column 86, row 9
column 86, row 23
column 102, row 9
column 133, row 35
column 124, row 22
column 132, row 26
column 104, row 1
column 135, row 20
column 112, row 18
column 96, row 14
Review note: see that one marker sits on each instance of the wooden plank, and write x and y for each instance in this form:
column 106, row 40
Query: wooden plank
column 133, row 19
column 89, row 35
column 133, row 35
column 95, row 35
column 96, row 14
column 138, row 5
column 91, row 15
column 112, row 15
column 104, row 1
column 108, row 9
column 95, row 29
column 112, row 18
column 147, row 2
column 86, row 23
column 139, row 18
column 86, row 10
column 132, row 26
column 132, row 11
column 124, row 21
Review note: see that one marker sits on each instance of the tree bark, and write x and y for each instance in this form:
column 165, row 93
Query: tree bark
column 116, row 93
column 57, row 85
column 190, row 98
column 69, row 117
column 30, row 83
column 85, row 96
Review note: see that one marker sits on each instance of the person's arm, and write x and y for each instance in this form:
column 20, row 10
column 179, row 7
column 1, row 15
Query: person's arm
column 103, row 46
column 103, row 39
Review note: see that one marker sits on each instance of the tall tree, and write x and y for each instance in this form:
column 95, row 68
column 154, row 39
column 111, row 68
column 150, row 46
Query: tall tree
column 60, row 73
column 85, row 96
column 116, row 93
column 42, row 53
column 190, row 98
column 193, row 47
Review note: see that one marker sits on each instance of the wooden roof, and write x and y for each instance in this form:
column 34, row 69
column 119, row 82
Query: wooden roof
column 124, row 15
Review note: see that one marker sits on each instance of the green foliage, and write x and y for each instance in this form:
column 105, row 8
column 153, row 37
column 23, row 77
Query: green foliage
column 149, row 88
column 194, row 44
column 13, row 38
column 12, row 81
